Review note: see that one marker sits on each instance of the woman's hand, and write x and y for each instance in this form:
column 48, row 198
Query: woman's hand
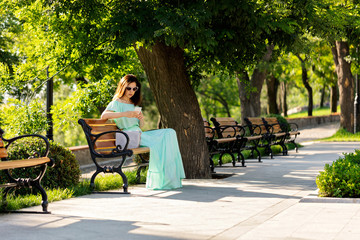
column 132, row 114
column 140, row 116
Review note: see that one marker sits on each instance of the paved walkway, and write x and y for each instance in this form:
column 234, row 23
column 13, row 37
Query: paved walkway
column 269, row 200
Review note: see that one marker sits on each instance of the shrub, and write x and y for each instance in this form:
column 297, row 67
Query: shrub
column 65, row 173
column 341, row 178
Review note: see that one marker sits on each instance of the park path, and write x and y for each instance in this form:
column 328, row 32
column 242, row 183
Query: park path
column 275, row 199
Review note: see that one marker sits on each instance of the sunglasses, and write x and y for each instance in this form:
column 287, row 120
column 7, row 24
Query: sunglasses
column 134, row 89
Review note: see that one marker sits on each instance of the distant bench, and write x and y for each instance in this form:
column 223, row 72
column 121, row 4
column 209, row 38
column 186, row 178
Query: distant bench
column 37, row 160
column 101, row 137
column 291, row 130
column 274, row 133
column 228, row 137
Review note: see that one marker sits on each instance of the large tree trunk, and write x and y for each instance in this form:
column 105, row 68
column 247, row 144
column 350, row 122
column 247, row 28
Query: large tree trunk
column 333, row 98
column 177, row 104
column 250, row 100
column 345, row 83
column 272, row 86
column 305, row 81
column 284, row 107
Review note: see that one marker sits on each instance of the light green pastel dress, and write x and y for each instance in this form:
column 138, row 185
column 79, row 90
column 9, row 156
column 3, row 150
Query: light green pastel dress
column 165, row 166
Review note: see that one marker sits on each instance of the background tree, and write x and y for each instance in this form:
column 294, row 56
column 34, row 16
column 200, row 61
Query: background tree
column 164, row 32
column 218, row 96
column 337, row 22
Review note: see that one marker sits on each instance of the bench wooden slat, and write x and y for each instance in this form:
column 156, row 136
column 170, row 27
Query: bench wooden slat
column 140, row 150
column 225, row 140
column 226, row 119
column 279, row 134
column 90, row 121
column 102, row 144
column 102, row 128
column 23, row 163
column 250, row 138
column 3, row 153
column 105, row 136
column 8, row 185
column 294, row 133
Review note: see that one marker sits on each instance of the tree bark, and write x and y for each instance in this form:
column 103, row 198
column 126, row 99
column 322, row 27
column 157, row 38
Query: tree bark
column 284, row 107
column 177, row 104
column 345, row 83
column 322, row 97
column 272, row 84
column 305, row 81
column 333, row 98
column 250, row 100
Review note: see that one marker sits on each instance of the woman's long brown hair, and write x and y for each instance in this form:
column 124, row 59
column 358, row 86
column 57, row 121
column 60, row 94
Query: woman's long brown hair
column 121, row 88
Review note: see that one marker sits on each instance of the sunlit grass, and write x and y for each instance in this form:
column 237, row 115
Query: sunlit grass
column 316, row 112
column 343, row 136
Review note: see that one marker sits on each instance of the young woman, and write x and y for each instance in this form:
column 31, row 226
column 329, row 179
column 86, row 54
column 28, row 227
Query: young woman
column 165, row 167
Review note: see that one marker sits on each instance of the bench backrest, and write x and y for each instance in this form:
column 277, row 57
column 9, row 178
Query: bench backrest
column 220, row 122
column 3, row 152
column 106, row 142
column 256, row 121
column 274, row 123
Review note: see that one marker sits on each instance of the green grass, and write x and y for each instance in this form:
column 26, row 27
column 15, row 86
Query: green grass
column 343, row 136
column 316, row 112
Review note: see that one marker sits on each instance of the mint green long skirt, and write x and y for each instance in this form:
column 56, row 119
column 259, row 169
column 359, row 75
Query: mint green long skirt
column 165, row 167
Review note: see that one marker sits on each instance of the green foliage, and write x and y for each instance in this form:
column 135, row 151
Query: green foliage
column 18, row 118
column 65, row 173
column 341, row 178
column 218, row 96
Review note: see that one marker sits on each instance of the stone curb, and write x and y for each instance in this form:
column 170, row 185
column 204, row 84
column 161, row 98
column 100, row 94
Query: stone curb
column 313, row 198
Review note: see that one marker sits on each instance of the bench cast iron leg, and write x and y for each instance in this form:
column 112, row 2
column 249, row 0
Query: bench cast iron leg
column 44, row 202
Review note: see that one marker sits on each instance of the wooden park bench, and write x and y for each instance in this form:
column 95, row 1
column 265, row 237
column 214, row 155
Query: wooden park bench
column 291, row 130
column 37, row 160
column 101, row 137
column 234, row 138
column 270, row 134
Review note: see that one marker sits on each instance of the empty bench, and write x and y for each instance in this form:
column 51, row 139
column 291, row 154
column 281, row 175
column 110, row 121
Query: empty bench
column 36, row 160
column 101, row 137
column 271, row 134
column 291, row 130
column 228, row 128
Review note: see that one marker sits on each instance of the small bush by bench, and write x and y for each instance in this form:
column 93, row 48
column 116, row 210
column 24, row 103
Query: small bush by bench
column 341, row 178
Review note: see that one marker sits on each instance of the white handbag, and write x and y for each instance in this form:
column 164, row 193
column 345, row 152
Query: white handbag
column 134, row 139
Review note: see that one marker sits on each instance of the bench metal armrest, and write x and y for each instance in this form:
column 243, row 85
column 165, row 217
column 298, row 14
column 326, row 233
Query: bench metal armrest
column 117, row 151
column 238, row 131
column 293, row 126
column 35, row 154
column 211, row 132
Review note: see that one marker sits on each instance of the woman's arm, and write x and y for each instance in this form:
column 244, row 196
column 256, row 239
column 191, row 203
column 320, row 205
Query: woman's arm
column 141, row 118
column 111, row 115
